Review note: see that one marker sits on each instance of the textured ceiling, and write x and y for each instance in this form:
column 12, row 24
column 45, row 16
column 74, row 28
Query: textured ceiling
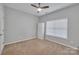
column 26, row 7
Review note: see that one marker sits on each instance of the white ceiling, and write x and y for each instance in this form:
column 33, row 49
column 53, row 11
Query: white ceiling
column 26, row 7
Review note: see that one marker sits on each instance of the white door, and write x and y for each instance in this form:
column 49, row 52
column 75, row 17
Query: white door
column 1, row 28
column 41, row 30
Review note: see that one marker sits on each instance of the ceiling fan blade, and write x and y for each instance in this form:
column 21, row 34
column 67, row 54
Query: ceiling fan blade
column 45, row 7
column 34, row 5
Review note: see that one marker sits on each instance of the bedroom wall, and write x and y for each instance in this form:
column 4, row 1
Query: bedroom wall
column 1, row 28
column 19, row 25
column 72, row 13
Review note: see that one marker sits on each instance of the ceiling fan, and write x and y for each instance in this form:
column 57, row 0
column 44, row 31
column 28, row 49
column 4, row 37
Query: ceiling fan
column 39, row 8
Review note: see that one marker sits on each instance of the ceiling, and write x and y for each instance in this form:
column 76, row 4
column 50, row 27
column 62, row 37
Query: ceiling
column 26, row 7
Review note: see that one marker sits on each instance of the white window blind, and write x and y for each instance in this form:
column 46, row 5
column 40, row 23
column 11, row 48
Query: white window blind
column 41, row 30
column 57, row 28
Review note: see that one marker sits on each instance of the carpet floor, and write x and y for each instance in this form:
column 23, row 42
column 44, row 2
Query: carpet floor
column 37, row 47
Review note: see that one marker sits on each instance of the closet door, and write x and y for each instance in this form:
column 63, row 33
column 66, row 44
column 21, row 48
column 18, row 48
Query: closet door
column 41, row 27
column 1, row 28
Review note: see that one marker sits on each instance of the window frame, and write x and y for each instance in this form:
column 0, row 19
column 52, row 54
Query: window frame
column 57, row 36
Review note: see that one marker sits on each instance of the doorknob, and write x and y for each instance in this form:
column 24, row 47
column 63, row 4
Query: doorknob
column 0, row 34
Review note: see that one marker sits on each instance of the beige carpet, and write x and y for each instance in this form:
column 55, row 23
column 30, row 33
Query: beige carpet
column 37, row 47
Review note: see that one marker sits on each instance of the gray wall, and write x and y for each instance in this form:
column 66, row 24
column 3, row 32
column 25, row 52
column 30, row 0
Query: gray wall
column 19, row 25
column 1, row 28
column 72, row 13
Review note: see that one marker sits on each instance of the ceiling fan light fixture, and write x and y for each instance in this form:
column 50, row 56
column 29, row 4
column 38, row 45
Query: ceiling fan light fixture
column 39, row 9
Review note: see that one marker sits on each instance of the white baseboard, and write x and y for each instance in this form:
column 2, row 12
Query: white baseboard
column 63, row 44
column 19, row 40
column 2, row 49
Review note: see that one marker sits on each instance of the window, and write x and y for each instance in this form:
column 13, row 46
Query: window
column 41, row 30
column 57, row 28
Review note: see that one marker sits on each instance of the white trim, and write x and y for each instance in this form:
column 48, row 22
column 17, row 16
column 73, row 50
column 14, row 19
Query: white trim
column 2, row 49
column 20, row 40
column 63, row 44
